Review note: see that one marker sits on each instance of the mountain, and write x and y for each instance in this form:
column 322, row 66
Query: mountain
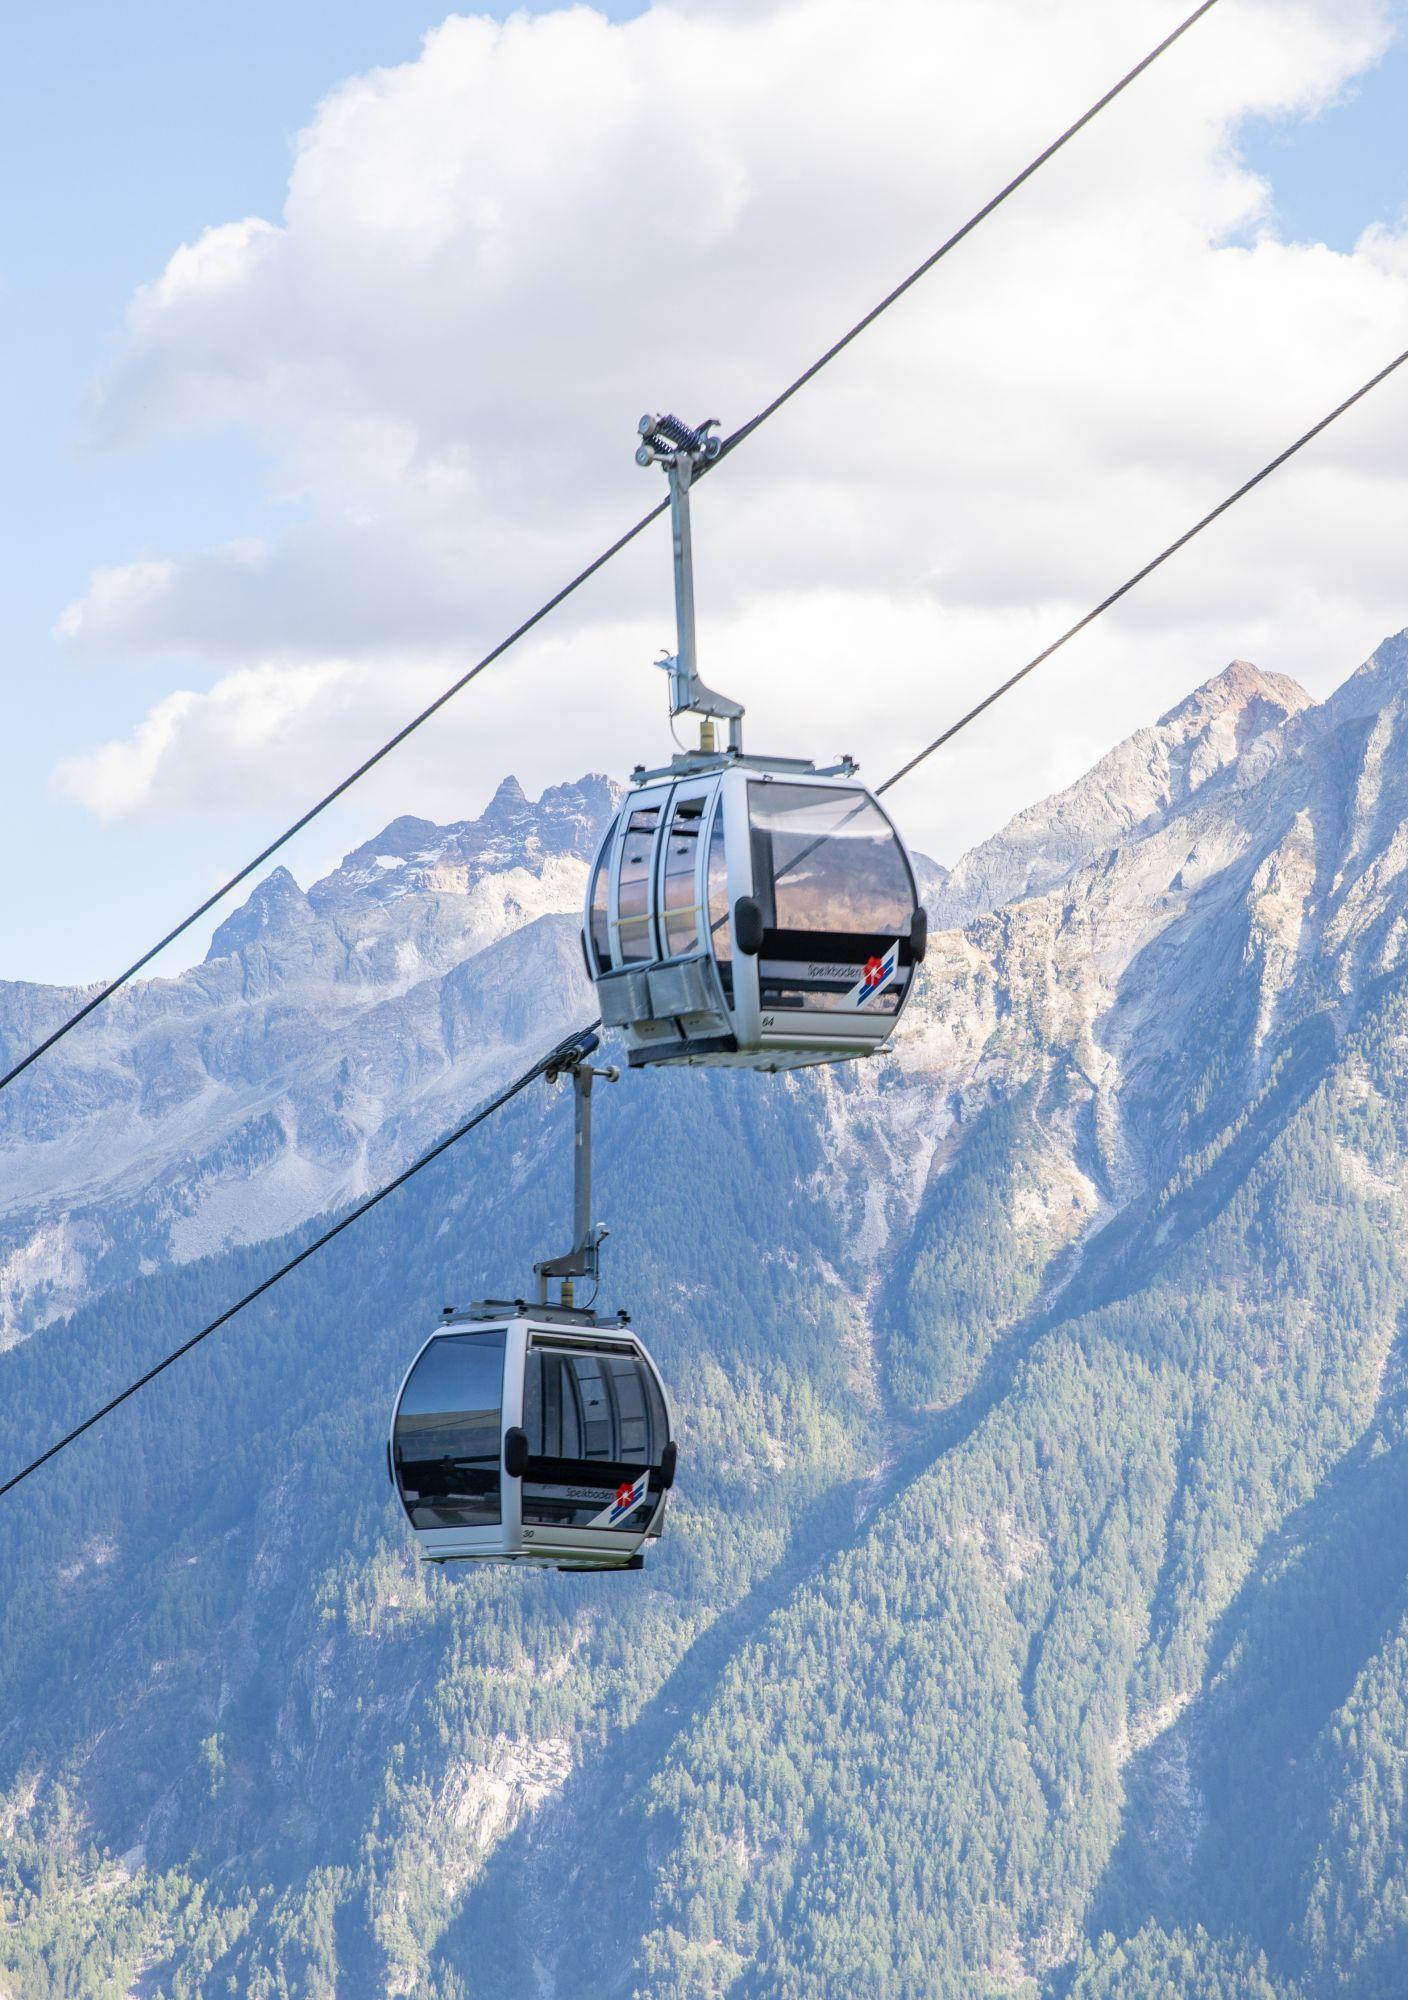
column 1033, row 1611
column 1130, row 789
column 326, row 1040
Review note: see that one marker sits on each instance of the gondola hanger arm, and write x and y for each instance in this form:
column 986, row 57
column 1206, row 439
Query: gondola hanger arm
column 583, row 1260
column 682, row 449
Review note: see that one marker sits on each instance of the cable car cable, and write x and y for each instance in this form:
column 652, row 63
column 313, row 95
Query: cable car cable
column 505, row 1096
column 113, row 986
column 1005, row 687
column 551, row 604
column 569, row 1041
column 921, row 270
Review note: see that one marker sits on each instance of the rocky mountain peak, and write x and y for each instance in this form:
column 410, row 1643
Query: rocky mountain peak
column 1151, row 773
column 509, row 796
column 1243, row 694
column 419, row 897
column 277, row 904
column 1381, row 683
column 1242, row 681
column 1220, row 720
column 513, row 831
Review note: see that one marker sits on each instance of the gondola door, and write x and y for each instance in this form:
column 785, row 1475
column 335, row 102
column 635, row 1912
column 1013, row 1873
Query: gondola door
column 633, row 927
column 729, row 880
column 597, row 1430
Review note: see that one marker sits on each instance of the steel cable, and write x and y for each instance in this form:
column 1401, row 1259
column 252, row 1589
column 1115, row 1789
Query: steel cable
column 106, row 992
column 545, row 1062
column 485, row 1111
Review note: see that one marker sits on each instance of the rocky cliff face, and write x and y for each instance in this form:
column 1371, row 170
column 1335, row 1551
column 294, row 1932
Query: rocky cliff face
column 1131, row 790
column 1211, row 883
column 1037, row 1568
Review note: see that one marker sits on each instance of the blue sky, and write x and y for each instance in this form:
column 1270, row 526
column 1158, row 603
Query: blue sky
column 124, row 132
column 1335, row 174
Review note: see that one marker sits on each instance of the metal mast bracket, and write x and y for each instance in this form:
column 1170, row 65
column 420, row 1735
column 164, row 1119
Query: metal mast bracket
column 682, row 449
column 583, row 1259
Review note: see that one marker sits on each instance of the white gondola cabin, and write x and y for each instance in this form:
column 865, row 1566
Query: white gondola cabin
column 754, row 912
column 533, row 1436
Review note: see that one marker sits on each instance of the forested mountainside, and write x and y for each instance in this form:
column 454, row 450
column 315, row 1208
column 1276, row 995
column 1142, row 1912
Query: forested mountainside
column 1033, row 1612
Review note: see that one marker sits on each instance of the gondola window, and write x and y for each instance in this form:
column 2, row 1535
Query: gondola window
column 449, row 1432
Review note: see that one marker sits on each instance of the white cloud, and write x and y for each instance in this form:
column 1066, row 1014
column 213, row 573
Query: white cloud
column 492, row 258
column 124, row 595
column 211, row 753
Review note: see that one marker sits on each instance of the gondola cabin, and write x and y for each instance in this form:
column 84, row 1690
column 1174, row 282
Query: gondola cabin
column 753, row 912
column 532, row 1436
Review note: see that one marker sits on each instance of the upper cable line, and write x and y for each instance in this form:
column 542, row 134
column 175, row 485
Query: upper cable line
column 573, row 1040
column 1131, row 582
column 105, row 992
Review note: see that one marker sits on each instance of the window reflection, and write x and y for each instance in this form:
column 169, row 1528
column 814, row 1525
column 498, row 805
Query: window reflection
column 593, row 1422
column 827, row 860
column 681, row 878
column 585, row 1406
column 633, row 886
column 448, row 1437
column 600, row 925
column 720, row 931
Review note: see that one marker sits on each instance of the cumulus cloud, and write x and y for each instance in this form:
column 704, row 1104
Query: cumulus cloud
column 491, row 258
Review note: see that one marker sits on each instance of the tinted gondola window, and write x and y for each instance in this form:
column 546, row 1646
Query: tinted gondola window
column 637, row 931
column 448, row 1438
column 825, row 859
column 593, row 1420
column 600, row 925
column 681, row 878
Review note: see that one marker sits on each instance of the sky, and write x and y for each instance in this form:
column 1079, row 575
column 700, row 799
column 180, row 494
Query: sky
column 325, row 329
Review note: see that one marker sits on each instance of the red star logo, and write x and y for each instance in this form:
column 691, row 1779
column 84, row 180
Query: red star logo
column 625, row 1493
column 874, row 971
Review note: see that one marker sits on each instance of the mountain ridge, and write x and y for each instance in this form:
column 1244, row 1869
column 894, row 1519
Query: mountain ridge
column 1156, row 769
column 405, row 909
column 1034, row 1385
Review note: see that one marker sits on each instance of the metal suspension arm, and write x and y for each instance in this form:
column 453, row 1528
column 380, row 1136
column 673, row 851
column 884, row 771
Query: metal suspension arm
column 680, row 449
column 583, row 1259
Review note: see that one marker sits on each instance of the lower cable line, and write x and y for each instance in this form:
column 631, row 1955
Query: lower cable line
column 568, row 1042
column 485, row 1111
